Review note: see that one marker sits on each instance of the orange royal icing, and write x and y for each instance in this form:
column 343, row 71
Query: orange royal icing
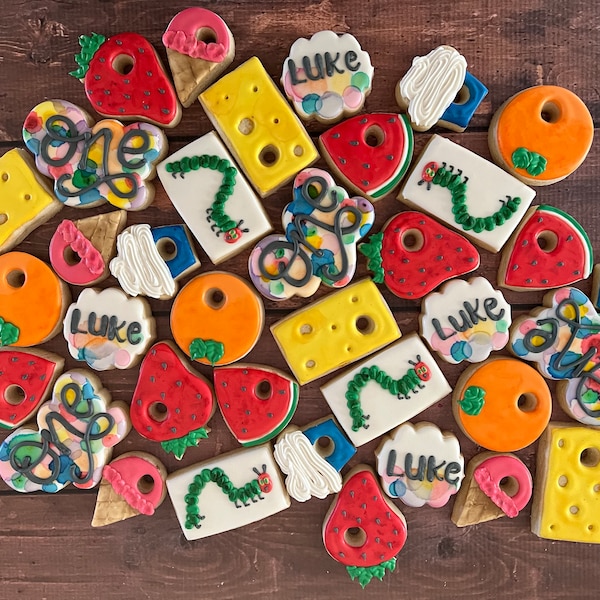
column 223, row 312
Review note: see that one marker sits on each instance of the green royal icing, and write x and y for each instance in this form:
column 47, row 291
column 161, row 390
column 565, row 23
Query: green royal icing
column 372, row 250
column 9, row 333
column 365, row 574
column 532, row 162
column 473, row 400
column 178, row 446
column 212, row 350
column 89, row 45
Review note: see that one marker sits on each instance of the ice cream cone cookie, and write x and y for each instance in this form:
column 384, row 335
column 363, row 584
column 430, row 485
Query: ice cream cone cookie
column 132, row 484
column 200, row 47
column 541, row 134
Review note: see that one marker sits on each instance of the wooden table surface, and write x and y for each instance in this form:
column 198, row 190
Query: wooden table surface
column 49, row 547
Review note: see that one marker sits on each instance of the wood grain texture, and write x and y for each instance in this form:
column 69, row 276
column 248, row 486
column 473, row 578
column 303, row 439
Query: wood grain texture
column 49, row 548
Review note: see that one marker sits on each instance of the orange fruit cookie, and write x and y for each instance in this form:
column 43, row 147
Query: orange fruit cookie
column 217, row 318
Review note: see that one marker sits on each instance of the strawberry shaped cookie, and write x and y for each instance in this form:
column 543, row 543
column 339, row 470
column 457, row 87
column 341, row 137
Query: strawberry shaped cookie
column 362, row 530
column 171, row 403
column 124, row 78
column 414, row 254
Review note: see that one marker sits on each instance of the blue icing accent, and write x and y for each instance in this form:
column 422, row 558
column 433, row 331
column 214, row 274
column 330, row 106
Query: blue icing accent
column 343, row 449
column 461, row 114
column 397, row 488
column 184, row 258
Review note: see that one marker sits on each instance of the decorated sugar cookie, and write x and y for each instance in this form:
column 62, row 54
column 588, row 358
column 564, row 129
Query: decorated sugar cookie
column 227, row 492
column 77, row 430
column 430, row 86
column 467, row 192
column 386, row 390
column 549, row 249
column 25, row 199
column 81, row 250
column 171, row 403
column 92, row 164
column 363, row 530
column 322, row 226
column 199, row 47
column 265, row 137
column 420, row 465
column 562, row 339
column 108, row 330
column 541, row 134
column 502, row 404
column 370, row 153
column 495, row 485
column 466, row 320
column 176, row 249
column 26, row 379
column 227, row 217
column 124, row 78
column 327, row 77
column 335, row 331
column 217, row 318
column 330, row 442
column 566, row 502
column 414, row 254
column 460, row 112
column 27, row 285
column 256, row 402
column 132, row 484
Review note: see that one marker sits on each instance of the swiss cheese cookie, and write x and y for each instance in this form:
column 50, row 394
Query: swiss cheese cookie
column 327, row 77
column 541, row 134
column 420, row 465
column 322, row 227
column 467, row 192
column 502, row 404
column 94, row 163
column 124, row 78
column 260, row 129
column 200, row 47
column 386, row 390
column 226, row 217
column 227, row 492
column 465, row 320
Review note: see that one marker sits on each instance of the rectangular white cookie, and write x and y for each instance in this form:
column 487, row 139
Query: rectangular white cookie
column 195, row 192
column 385, row 409
column 487, row 186
column 221, row 514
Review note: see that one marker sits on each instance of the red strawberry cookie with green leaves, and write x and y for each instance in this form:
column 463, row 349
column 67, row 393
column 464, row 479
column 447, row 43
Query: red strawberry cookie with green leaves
column 171, row 403
column 124, row 78
column 362, row 529
column 414, row 254
column 256, row 402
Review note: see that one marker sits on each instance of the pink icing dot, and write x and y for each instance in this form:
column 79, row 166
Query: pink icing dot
column 527, row 325
column 499, row 340
column 122, row 358
column 443, row 346
column 353, row 97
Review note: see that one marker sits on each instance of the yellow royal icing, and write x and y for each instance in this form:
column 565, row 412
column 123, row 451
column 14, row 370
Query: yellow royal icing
column 335, row 331
column 260, row 128
column 24, row 201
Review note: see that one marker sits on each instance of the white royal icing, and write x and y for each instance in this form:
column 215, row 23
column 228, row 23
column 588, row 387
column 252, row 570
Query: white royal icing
column 308, row 473
column 139, row 267
column 431, row 84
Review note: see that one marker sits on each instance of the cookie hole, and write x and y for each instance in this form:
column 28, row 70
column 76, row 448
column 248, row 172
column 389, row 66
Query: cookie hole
column 3, row 218
column 355, row 537
column 123, row 64
column 246, row 126
column 215, row 298
column 547, row 241
column 5, row 176
column 354, row 299
column 16, row 278
column 263, row 390
column 374, row 136
column 27, row 197
column 306, row 329
column 268, row 156
column 145, row 484
column 550, row 112
column 324, row 446
column 276, row 121
column 597, row 488
column 563, row 480
column 71, row 257
column 561, row 443
column 333, row 327
column 310, row 364
column 365, row 325
column 255, row 89
column 158, row 412
column 527, row 403
column 590, row 457
column 167, row 249
column 550, row 527
column 412, row 240
column 206, row 35
column 348, row 348
column 463, row 95
column 14, row 395
column 509, row 485
column 298, row 150
column 590, row 527
column 573, row 509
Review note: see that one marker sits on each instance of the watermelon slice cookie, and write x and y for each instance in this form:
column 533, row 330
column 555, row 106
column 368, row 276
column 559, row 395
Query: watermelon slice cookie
column 26, row 379
column 171, row 403
column 124, row 78
column 371, row 153
column 362, row 529
column 549, row 249
column 414, row 254
column 256, row 402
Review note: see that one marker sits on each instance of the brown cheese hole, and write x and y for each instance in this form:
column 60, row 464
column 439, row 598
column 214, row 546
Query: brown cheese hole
column 355, row 537
column 14, row 395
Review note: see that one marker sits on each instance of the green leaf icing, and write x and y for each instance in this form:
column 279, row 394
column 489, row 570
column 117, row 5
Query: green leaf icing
column 178, row 446
column 89, row 45
column 212, row 350
column 532, row 162
column 9, row 333
column 473, row 400
column 372, row 250
column 365, row 574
